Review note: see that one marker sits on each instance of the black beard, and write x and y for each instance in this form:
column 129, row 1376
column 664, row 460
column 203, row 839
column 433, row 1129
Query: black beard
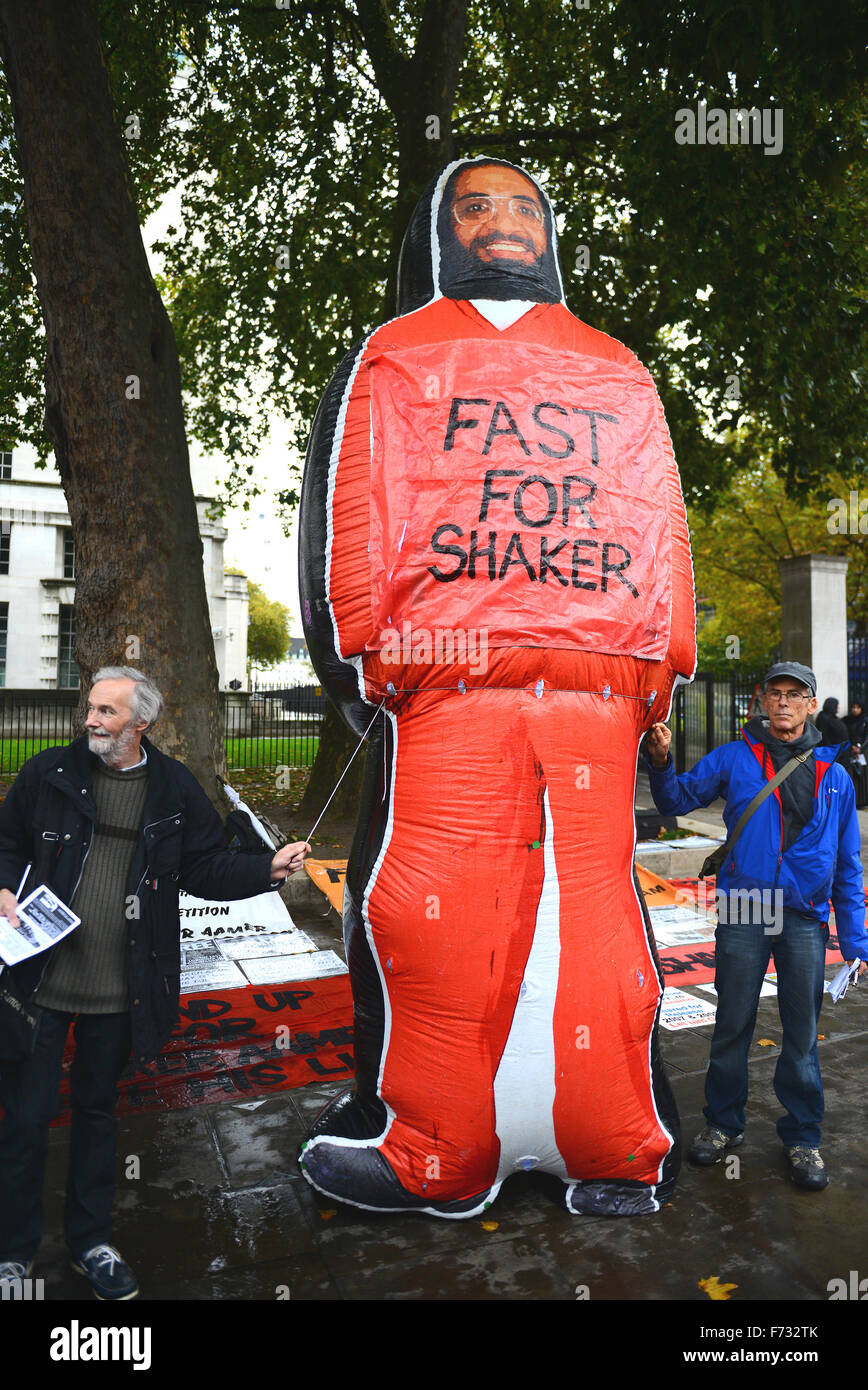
column 464, row 276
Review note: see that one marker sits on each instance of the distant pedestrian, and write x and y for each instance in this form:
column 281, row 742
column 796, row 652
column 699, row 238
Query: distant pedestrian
column 833, row 730
column 857, row 728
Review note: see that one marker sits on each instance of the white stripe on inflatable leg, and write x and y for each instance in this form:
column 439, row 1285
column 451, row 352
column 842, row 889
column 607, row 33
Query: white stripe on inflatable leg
column 524, row 1086
column 374, row 1142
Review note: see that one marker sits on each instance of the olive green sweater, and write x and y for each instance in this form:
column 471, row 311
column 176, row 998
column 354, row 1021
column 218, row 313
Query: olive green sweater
column 88, row 971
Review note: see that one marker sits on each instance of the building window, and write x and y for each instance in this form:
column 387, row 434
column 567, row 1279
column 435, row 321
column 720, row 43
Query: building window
column 68, row 554
column 5, row 466
column 4, row 629
column 67, row 671
column 5, row 541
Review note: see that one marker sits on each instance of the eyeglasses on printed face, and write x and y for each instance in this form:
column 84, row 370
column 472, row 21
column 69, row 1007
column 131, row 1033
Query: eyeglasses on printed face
column 786, row 697
column 476, row 208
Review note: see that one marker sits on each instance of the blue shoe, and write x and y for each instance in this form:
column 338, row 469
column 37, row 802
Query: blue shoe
column 105, row 1271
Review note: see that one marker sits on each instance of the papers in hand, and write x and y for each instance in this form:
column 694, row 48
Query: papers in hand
column 846, row 976
column 44, row 920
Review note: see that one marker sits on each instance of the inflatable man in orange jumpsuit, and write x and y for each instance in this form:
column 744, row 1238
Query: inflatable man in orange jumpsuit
column 495, row 570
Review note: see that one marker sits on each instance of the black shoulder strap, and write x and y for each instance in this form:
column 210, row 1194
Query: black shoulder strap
column 714, row 861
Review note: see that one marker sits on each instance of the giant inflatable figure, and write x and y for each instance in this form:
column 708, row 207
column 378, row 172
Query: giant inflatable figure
column 496, row 581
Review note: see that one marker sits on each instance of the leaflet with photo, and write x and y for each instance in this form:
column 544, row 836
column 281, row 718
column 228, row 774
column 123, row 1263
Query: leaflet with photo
column 44, row 920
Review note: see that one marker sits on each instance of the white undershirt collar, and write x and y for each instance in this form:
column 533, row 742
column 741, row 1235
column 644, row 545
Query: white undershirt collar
column 502, row 313
column 142, row 760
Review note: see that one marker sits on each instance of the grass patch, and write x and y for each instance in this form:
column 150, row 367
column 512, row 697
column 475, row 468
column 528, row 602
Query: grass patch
column 14, row 752
column 281, row 751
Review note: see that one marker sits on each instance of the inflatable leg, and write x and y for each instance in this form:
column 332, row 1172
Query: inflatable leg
column 456, row 928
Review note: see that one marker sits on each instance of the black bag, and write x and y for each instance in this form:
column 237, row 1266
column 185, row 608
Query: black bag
column 242, row 838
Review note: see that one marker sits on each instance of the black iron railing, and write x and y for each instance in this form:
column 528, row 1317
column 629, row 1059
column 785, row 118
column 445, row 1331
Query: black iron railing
column 270, row 727
column 709, row 712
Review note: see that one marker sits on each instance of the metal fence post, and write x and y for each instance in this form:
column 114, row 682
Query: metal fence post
column 709, row 713
column 679, row 712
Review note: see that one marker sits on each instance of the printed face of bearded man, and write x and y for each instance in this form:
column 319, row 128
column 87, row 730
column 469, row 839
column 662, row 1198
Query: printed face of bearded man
column 496, row 223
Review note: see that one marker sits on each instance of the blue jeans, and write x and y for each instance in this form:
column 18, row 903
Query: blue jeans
column 742, row 958
column 29, row 1097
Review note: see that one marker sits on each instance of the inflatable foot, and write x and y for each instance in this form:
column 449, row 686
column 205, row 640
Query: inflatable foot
column 356, row 1173
column 341, row 1160
column 349, row 1116
column 614, row 1198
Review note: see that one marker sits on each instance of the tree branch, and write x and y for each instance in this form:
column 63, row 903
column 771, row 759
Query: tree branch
column 519, row 135
column 738, row 573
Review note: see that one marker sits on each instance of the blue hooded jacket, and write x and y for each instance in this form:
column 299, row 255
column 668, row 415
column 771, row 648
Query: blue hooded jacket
column 822, row 862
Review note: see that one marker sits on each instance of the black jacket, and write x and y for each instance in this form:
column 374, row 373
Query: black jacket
column 834, row 730
column 48, row 820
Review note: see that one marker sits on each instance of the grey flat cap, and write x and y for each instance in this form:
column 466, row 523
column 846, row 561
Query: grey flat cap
column 794, row 669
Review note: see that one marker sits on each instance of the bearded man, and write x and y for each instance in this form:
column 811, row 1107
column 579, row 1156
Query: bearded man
column 115, row 828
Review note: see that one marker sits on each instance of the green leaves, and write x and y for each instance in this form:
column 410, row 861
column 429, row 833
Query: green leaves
column 297, row 129
column 268, row 628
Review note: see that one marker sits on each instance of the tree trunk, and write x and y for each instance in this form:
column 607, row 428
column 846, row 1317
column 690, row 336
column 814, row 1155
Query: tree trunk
column 420, row 92
column 336, row 746
column 113, row 396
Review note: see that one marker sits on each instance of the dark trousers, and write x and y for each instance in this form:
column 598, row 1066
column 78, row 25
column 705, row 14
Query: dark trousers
column 29, row 1097
column 741, row 960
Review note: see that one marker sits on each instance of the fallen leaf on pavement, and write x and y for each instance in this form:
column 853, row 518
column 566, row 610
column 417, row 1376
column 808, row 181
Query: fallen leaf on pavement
column 715, row 1289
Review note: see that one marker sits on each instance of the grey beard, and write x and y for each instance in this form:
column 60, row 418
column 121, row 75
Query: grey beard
column 113, row 750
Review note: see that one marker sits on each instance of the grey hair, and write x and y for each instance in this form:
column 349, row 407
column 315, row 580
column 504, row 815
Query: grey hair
column 146, row 702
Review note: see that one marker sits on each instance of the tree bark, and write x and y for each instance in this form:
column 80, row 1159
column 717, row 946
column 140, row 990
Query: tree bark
column 113, row 394
column 336, row 746
column 420, row 92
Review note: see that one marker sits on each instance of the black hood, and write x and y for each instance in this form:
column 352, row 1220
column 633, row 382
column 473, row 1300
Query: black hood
column 434, row 264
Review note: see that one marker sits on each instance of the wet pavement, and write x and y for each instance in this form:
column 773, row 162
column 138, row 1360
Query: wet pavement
column 220, row 1212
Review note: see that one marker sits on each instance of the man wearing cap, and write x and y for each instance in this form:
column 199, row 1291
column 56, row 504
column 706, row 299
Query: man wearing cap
column 799, row 848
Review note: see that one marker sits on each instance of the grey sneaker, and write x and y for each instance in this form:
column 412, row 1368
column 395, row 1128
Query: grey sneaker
column 807, row 1168
column 710, row 1146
